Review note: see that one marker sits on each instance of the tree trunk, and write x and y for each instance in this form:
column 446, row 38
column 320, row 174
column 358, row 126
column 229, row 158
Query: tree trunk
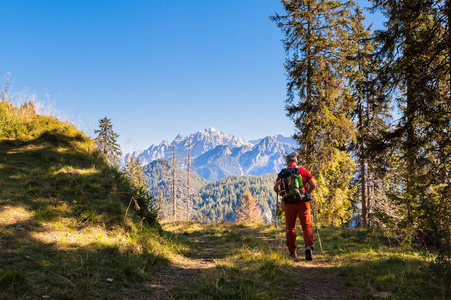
column 308, row 144
column 174, row 214
column 361, row 149
column 410, row 149
column 448, row 12
column 189, row 175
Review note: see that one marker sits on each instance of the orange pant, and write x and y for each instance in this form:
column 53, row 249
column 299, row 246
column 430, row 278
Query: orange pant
column 293, row 210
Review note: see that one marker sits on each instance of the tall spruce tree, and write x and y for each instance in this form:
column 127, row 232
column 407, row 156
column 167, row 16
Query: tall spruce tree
column 106, row 142
column 369, row 114
column 415, row 49
column 319, row 100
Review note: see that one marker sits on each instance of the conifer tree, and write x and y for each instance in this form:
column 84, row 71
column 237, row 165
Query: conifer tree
column 248, row 209
column 319, row 101
column 135, row 173
column 368, row 115
column 415, row 48
column 147, row 206
column 106, row 142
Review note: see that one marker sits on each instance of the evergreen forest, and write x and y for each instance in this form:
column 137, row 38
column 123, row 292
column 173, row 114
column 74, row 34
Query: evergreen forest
column 372, row 111
column 212, row 202
column 219, row 200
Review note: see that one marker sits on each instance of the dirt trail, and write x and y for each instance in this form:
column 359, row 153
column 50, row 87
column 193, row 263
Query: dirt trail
column 321, row 281
column 318, row 279
column 183, row 269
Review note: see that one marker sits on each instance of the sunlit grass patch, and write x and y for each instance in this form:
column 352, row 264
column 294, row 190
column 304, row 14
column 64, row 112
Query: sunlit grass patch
column 13, row 214
column 73, row 171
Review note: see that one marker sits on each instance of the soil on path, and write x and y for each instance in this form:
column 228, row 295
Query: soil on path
column 321, row 281
column 318, row 279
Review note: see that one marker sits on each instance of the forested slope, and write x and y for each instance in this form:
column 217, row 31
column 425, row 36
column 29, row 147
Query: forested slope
column 159, row 178
column 211, row 201
column 218, row 200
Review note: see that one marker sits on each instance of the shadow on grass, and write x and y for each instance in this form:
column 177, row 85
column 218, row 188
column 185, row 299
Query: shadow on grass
column 51, row 184
column 53, row 178
column 377, row 266
column 248, row 266
column 356, row 265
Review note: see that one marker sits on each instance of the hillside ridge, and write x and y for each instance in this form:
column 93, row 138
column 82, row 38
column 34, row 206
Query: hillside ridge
column 65, row 215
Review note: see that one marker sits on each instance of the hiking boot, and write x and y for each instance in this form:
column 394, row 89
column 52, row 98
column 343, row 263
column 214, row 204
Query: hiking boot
column 308, row 252
column 293, row 254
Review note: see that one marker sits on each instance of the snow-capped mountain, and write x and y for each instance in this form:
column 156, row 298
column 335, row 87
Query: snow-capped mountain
column 266, row 157
column 209, row 139
column 218, row 155
column 279, row 138
column 204, row 141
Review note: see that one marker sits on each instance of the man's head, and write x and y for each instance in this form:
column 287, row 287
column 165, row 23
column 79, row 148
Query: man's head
column 291, row 159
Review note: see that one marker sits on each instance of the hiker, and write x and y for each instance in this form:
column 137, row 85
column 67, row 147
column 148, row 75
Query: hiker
column 290, row 184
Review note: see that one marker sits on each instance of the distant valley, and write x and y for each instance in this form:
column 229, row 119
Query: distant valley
column 210, row 201
column 223, row 167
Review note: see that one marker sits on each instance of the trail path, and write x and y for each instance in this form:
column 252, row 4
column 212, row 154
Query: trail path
column 185, row 267
column 317, row 279
column 321, row 281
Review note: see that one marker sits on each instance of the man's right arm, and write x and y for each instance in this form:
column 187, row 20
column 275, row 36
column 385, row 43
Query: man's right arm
column 311, row 185
column 276, row 186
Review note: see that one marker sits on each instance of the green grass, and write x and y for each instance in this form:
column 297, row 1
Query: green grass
column 371, row 264
column 248, row 264
column 63, row 228
column 244, row 265
column 64, row 234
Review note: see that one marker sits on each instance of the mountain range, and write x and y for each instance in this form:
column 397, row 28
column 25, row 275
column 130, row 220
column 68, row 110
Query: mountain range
column 216, row 155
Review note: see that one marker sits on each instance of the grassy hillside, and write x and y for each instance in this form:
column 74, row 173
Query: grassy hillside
column 65, row 231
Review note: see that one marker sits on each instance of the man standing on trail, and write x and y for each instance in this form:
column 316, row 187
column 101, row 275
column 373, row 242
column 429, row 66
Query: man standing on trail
column 290, row 184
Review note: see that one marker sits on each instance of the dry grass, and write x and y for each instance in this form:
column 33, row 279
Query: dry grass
column 62, row 215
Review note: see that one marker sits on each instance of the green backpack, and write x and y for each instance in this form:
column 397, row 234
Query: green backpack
column 291, row 187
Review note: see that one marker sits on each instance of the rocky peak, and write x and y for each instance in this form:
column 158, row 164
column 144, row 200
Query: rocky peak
column 218, row 154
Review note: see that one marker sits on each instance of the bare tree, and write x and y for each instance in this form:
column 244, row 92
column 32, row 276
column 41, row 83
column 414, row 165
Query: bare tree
column 189, row 163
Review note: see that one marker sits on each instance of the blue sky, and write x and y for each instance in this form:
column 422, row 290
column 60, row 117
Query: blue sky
column 156, row 68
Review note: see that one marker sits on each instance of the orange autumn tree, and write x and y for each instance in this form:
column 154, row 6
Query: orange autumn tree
column 248, row 210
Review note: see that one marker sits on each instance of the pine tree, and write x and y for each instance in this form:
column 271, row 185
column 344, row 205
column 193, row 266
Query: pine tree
column 248, row 209
column 415, row 49
column 135, row 173
column 369, row 114
column 106, row 142
column 319, row 101
column 146, row 206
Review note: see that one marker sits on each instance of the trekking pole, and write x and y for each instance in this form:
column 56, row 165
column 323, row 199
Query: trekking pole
column 317, row 231
column 277, row 221
column 277, row 210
